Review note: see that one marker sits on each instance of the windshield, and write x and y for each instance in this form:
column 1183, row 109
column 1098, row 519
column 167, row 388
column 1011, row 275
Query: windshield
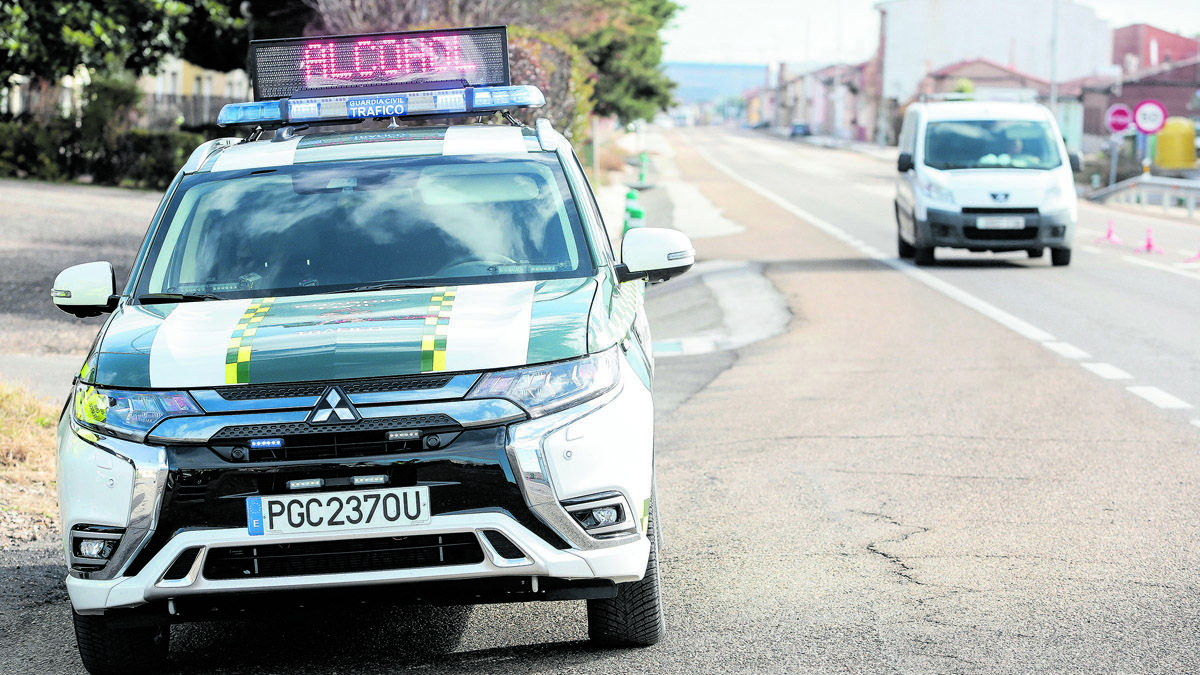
column 331, row 227
column 990, row 144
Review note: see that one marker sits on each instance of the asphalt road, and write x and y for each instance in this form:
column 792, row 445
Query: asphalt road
column 900, row 481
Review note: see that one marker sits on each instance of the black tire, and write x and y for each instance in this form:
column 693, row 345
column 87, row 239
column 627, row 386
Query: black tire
column 635, row 617
column 905, row 249
column 105, row 650
column 1035, row 252
column 1060, row 257
column 923, row 256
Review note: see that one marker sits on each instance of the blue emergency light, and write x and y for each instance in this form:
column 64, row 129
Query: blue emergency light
column 353, row 77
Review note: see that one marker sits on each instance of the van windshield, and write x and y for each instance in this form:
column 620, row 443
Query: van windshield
column 991, row 144
column 343, row 226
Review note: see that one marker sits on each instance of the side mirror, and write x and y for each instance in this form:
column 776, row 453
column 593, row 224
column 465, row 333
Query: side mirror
column 86, row 290
column 904, row 162
column 1076, row 164
column 654, row 253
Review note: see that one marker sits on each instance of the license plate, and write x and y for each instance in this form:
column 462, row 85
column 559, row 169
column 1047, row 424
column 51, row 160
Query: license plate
column 1000, row 223
column 336, row 511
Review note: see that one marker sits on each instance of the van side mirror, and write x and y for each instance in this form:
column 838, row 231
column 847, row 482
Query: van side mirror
column 86, row 290
column 654, row 253
column 904, row 162
column 1076, row 164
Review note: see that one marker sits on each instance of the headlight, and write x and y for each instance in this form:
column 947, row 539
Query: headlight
column 1054, row 195
column 128, row 414
column 937, row 192
column 542, row 390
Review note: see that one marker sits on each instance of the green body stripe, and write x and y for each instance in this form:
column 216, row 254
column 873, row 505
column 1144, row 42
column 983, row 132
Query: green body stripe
column 433, row 340
column 237, row 354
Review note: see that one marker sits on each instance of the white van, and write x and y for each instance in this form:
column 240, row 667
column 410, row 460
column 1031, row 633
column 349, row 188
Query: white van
column 984, row 176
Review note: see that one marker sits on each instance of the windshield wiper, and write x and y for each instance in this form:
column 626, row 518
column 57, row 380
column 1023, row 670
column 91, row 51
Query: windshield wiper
column 384, row 286
column 157, row 298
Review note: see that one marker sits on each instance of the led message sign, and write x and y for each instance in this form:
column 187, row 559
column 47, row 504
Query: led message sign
column 306, row 66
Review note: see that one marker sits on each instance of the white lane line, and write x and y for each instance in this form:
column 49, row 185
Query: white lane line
column 1136, row 260
column 1091, row 249
column 978, row 304
column 1159, row 398
column 1066, row 350
column 1107, row 371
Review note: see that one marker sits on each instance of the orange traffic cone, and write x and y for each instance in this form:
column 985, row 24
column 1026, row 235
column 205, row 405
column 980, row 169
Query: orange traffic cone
column 1149, row 246
column 1110, row 236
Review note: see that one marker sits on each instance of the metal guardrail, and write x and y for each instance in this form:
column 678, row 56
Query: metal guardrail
column 1152, row 190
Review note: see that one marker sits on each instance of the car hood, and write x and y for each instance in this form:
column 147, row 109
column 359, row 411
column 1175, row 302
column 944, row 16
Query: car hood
column 330, row 337
column 1000, row 188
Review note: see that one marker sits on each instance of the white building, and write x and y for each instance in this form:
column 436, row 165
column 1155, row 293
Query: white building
column 923, row 35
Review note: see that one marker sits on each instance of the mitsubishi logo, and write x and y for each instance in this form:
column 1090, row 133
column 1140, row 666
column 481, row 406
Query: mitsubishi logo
column 333, row 408
column 1000, row 196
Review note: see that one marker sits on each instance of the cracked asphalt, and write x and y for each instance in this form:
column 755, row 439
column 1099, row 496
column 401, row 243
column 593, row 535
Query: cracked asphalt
column 896, row 484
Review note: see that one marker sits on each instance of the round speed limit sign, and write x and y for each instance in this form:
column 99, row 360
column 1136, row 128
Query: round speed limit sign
column 1149, row 116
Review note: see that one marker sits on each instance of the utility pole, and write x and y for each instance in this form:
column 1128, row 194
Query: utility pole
column 1054, row 59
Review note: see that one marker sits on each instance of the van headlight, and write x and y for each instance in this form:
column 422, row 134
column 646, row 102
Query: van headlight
column 937, row 192
column 548, row 388
column 128, row 414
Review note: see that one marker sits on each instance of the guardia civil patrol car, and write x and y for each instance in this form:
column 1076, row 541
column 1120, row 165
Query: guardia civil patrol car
column 399, row 363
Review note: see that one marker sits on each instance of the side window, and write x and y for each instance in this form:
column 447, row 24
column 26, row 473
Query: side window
column 908, row 133
column 591, row 210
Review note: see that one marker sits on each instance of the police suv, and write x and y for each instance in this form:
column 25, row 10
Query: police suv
column 400, row 363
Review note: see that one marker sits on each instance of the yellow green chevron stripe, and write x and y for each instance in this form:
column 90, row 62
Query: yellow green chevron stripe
column 437, row 324
column 237, row 354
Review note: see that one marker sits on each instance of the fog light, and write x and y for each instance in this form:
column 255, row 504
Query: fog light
column 98, row 549
column 599, row 516
column 605, row 515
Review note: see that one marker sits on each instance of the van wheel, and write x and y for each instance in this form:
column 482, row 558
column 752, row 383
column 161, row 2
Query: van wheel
column 1035, row 252
column 923, row 256
column 904, row 248
column 635, row 617
column 105, row 650
column 1060, row 257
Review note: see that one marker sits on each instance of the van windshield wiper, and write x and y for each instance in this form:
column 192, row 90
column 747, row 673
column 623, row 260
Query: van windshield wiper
column 384, row 286
column 158, row 298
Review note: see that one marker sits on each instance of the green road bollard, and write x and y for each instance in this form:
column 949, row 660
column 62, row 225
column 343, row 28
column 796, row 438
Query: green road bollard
column 645, row 162
column 634, row 217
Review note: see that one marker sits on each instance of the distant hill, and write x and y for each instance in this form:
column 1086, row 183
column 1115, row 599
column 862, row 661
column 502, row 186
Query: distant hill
column 702, row 82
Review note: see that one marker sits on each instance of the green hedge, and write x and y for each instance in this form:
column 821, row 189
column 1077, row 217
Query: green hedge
column 134, row 158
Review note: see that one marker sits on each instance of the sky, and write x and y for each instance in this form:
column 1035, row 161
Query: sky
column 809, row 31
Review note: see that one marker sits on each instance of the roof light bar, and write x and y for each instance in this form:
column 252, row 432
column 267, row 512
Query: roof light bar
column 332, row 109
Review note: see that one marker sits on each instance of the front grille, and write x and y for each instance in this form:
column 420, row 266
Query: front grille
column 364, row 386
column 999, row 211
column 337, row 557
column 246, row 431
column 1000, row 235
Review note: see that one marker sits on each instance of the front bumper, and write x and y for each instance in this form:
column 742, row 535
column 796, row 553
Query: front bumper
column 956, row 229
column 499, row 498
column 538, row 559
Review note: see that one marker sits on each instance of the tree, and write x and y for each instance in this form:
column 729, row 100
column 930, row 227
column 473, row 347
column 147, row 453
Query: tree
column 622, row 41
column 50, row 39
column 222, row 42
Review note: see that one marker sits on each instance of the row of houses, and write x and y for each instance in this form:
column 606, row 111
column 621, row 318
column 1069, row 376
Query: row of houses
column 179, row 94
column 925, row 47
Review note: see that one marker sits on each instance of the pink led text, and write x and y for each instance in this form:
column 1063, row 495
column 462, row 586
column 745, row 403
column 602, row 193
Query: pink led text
column 382, row 59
